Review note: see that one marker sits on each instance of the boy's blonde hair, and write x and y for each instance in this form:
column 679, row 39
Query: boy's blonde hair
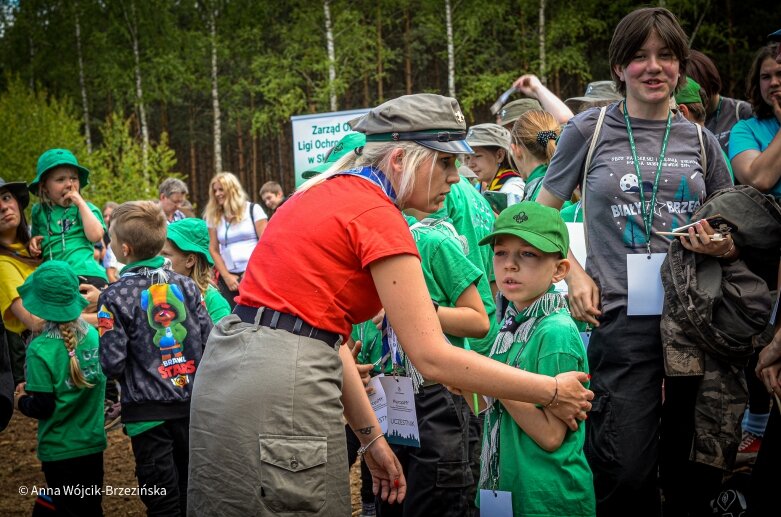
column 235, row 199
column 142, row 226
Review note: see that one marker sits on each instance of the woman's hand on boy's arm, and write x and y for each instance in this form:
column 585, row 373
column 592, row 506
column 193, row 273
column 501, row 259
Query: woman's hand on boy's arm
column 541, row 425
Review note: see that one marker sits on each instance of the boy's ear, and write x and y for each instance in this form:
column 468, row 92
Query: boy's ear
column 562, row 270
column 127, row 250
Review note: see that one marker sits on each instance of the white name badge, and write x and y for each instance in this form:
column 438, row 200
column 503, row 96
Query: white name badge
column 379, row 403
column 577, row 244
column 402, row 428
column 496, row 503
column 644, row 284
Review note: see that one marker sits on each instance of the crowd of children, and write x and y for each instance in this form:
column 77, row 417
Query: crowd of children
column 128, row 339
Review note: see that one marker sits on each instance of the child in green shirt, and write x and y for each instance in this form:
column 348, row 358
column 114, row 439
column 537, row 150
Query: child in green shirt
column 527, row 450
column 64, row 225
column 187, row 247
column 64, row 390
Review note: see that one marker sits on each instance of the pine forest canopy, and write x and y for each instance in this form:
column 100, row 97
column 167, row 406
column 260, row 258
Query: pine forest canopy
column 143, row 88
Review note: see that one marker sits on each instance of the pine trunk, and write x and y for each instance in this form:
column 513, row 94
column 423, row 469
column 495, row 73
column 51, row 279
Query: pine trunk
column 451, row 59
column 543, row 76
column 133, row 29
column 329, row 38
column 408, row 51
column 380, row 64
column 82, row 82
column 215, row 95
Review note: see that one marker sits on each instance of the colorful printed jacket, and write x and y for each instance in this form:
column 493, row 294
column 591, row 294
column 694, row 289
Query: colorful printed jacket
column 153, row 329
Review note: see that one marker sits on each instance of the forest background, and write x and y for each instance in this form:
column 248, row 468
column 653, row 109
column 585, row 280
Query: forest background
column 144, row 89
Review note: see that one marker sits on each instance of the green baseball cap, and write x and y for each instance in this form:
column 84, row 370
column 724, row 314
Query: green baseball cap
column 511, row 111
column 427, row 119
column 690, row 93
column 539, row 225
column 18, row 189
column 489, row 135
column 52, row 293
column 56, row 158
column 191, row 235
column 347, row 144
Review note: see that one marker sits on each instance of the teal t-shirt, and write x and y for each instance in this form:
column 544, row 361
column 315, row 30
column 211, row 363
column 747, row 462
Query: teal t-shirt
column 543, row 484
column 76, row 427
column 472, row 217
column 754, row 134
column 63, row 237
column 216, row 304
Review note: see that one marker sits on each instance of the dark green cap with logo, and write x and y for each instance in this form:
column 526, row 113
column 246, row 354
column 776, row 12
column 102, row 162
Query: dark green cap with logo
column 58, row 158
column 427, row 119
column 541, row 226
column 352, row 142
column 512, row 111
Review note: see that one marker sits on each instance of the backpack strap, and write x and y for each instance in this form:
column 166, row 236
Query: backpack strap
column 703, row 156
column 587, row 164
column 252, row 219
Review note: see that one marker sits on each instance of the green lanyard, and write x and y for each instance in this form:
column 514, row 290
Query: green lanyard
column 648, row 216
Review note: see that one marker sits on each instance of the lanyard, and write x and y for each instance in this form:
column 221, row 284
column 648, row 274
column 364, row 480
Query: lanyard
column 647, row 215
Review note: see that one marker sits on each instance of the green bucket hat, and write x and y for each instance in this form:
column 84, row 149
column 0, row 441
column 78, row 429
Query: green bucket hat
column 511, row 111
column 489, row 135
column 52, row 293
column 347, row 144
column 18, row 189
column 56, row 158
column 427, row 119
column 541, row 226
column 191, row 235
column 690, row 93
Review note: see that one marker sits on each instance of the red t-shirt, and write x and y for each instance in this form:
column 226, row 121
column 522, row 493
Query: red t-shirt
column 312, row 260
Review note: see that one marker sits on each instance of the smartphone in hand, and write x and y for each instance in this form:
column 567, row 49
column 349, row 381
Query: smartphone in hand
column 719, row 223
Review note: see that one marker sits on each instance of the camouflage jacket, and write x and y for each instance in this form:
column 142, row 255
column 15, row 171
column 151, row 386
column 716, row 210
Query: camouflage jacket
column 713, row 310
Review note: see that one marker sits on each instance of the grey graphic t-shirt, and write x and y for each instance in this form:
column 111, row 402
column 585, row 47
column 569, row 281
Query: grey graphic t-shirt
column 720, row 122
column 613, row 213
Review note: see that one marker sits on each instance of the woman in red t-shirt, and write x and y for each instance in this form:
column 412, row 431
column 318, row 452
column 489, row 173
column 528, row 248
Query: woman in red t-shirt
column 266, row 429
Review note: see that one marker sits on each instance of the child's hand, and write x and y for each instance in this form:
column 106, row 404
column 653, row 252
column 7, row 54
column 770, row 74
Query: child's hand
column 19, row 393
column 74, row 197
column 91, row 294
column 34, row 246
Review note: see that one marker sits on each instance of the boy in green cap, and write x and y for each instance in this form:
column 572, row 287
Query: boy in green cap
column 526, row 450
column 187, row 247
column 64, row 225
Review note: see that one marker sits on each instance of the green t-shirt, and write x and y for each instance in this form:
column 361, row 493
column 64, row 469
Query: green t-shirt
column 64, row 238
column 572, row 212
column 473, row 219
column 216, row 305
column 534, row 182
column 76, row 427
column 543, row 484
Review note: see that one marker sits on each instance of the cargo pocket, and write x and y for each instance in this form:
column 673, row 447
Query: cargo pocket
column 293, row 472
column 601, row 434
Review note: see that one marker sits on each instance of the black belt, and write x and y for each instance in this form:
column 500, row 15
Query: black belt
column 288, row 322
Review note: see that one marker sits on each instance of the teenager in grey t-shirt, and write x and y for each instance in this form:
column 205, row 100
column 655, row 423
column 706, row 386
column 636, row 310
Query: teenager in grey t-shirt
column 726, row 115
column 612, row 211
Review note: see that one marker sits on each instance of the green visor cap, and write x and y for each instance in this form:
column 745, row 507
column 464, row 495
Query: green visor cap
column 489, row 135
column 348, row 143
column 512, row 111
column 191, row 236
column 427, row 119
column 18, row 189
column 56, row 158
column 690, row 93
column 52, row 293
column 541, row 226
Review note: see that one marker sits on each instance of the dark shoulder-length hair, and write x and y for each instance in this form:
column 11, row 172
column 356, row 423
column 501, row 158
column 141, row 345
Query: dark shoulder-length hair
column 753, row 93
column 632, row 31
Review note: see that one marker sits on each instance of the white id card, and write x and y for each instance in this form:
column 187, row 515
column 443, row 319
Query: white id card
column 496, row 503
column 379, row 403
column 402, row 417
column 644, row 284
column 577, row 244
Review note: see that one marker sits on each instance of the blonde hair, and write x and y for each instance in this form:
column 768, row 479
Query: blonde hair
column 377, row 155
column 68, row 332
column 142, row 226
column 201, row 272
column 534, row 127
column 235, row 199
